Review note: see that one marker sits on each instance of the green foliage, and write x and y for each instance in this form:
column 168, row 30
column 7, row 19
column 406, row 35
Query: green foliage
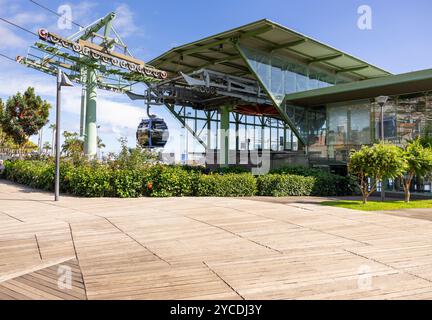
column 280, row 185
column 90, row 181
column 170, row 181
column 133, row 158
column 231, row 169
column 93, row 179
column 418, row 159
column 227, row 185
column 24, row 115
column 379, row 205
column 378, row 162
column 35, row 174
column 127, row 183
column 326, row 183
column 73, row 145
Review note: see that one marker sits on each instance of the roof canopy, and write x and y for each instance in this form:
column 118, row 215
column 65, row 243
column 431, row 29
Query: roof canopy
column 219, row 53
column 406, row 83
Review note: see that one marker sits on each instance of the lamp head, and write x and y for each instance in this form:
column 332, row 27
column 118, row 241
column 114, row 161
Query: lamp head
column 381, row 100
column 63, row 80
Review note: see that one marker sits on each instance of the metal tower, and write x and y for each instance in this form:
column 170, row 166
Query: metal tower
column 95, row 57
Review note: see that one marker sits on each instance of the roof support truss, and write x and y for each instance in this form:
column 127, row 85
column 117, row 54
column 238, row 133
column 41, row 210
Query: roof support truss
column 213, row 44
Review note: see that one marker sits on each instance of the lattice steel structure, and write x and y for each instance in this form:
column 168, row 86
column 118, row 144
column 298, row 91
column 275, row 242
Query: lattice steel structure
column 97, row 61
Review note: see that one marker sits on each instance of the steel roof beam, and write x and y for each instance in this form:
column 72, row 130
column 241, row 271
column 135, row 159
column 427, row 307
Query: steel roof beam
column 228, row 64
column 213, row 44
column 288, row 44
column 358, row 68
column 326, row 58
column 273, row 45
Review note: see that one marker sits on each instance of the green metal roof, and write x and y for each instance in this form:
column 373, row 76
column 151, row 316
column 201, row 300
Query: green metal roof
column 218, row 52
column 406, row 83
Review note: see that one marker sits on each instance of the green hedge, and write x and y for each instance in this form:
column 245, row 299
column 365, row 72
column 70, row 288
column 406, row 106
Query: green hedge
column 90, row 181
column 280, row 185
column 169, row 181
column 326, row 183
column 228, row 185
column 97, row 180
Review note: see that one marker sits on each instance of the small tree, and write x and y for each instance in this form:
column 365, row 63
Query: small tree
column 419, row 163
column 134, row 158
column 378, row 162
column 73, row 145
column 24, row 116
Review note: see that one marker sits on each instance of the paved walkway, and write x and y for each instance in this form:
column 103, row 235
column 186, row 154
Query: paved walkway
column 206, row 248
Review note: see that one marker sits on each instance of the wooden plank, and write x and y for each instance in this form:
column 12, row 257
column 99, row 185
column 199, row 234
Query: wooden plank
column 207, row 248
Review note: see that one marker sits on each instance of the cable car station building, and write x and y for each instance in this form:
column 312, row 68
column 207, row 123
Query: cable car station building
column 282, row 91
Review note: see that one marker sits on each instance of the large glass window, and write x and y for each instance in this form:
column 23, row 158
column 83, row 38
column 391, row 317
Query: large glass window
column 282, row 74
column 348, row 127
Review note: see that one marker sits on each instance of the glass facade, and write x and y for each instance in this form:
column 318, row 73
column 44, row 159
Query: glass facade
column 247, row 132
column 332, row 131
column 283, row 74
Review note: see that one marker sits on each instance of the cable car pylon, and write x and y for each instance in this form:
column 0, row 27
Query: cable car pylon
column 95, row 60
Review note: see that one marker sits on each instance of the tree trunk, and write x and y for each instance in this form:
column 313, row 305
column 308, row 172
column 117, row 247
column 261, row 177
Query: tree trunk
column 407, row 184
column 407, row 195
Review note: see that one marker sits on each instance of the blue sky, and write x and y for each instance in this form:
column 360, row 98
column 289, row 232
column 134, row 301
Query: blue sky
column 398, row 41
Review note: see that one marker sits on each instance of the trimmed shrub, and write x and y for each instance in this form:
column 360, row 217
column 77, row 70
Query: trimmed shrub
column 169, row 181
column 231, row 169
column 228, row 185
column 326, row 183
column 158, row 180
column 126, row 183
column 280, row 185
column 90, row 181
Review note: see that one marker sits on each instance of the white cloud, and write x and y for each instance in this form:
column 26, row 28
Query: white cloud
column 113, row 115
column 120, row 118
column 124, row 22
column 84, row 12
column 28, row 18
column 10, row 39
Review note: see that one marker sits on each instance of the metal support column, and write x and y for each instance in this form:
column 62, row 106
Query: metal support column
column 90, row 143
column 224, row 136
column 83, row 111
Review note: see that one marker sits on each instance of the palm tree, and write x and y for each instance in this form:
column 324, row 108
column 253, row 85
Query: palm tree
column 47, row 146
column 100, row 145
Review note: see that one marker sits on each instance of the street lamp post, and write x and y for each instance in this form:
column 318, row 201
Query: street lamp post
column 382, row 100
column 62, row 81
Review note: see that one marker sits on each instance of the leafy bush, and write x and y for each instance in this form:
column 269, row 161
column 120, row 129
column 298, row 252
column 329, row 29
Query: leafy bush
column 90, row 181
column 231, row 169
column 228, row 185
column 326, row 183
column 378, row 162
column 127, row 183
column 280, row 185
column 169, row 181
column 32, row 173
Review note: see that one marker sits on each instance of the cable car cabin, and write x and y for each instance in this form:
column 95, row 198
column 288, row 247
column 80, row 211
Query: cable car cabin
column 152, row 133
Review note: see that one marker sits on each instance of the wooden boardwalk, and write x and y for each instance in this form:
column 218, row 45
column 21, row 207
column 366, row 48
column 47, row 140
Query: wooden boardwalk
column 206, row 248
